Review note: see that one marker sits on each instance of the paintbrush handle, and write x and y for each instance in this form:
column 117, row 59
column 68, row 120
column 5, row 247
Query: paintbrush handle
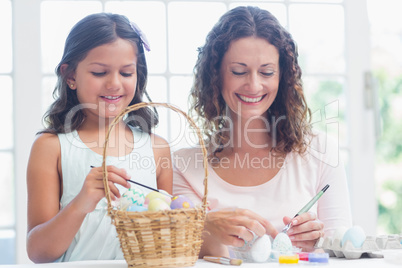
column 148, row 187
column 306, row 207
column 313, row 201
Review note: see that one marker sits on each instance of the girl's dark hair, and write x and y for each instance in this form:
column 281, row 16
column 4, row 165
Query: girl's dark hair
column 93, row 31
column 290, row 104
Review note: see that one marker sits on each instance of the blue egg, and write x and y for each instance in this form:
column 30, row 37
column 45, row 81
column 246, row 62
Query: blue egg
column 135, row 208
column 355, row 235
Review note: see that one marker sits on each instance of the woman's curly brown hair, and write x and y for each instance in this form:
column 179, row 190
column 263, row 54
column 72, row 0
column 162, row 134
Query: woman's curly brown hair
column 206, row 98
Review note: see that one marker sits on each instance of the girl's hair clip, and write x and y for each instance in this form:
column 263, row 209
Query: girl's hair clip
column 141, row 35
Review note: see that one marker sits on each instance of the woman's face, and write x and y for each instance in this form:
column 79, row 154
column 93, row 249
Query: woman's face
column 250, row 76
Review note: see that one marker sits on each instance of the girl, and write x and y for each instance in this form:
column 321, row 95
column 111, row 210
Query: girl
column 103, row 70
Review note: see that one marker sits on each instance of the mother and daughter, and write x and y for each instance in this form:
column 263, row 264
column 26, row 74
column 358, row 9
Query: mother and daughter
column 264, row 159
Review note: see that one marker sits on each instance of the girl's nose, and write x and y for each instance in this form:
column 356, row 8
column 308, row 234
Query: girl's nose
column 114, row 82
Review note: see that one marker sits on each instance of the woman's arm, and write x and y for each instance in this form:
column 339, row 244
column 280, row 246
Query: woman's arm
column 163, row 161
column 226, row 227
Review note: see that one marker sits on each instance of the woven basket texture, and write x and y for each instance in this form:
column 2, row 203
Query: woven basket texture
column 169, row 238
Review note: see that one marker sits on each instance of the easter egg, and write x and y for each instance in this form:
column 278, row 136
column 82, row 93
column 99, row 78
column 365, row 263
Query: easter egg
column 157, row 204
column 282, row 243
column 181, row 201
column 355, row 235
column 261, row 249
column 155, row 194
column 136, row 208
column 133, row 196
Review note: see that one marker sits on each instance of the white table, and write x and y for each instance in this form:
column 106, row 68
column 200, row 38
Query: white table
column 393, row 259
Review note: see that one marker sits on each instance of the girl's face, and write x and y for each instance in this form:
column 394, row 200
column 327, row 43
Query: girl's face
column 250, row 76
column 106, row 79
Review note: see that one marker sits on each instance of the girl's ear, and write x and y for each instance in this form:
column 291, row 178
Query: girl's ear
column 70, row 80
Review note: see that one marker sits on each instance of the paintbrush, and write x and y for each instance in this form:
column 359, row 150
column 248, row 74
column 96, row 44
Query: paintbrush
column 148, row 187
column 306, row 207
column 223, row 260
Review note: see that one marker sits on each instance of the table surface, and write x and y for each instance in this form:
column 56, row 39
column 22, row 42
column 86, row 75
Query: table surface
column 392, row 258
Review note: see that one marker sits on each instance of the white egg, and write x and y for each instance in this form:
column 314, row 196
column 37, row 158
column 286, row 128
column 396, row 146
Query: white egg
column 261, row 249
column 355, row 235
column 338, row 234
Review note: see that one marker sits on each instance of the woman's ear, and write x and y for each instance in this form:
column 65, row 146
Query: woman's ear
column 70, row 80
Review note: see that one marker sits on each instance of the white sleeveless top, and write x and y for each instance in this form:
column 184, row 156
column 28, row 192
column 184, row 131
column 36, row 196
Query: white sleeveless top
column 97, row 238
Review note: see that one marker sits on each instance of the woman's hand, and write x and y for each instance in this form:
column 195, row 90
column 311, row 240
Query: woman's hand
column 232, row 227
column 93, row 189
column 305, row 231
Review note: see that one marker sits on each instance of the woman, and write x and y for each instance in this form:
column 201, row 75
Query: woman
column 265, row 162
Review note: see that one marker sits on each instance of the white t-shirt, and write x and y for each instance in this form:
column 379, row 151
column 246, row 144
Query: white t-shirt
column 97, row 237
column 297, row 182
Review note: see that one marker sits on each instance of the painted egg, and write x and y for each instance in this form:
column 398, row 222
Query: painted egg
column 135, row 208
column 157, row 204
column 133, row 196
column 355, row 235
column 155, row 194
column 282, row 243
column 181, row 201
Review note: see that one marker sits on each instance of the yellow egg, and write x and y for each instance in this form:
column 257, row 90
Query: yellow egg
column 155, row 194
column 157, row 204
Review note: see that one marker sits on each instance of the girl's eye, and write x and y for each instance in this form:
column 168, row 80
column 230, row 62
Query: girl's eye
column 98, row 74
column 126, row 74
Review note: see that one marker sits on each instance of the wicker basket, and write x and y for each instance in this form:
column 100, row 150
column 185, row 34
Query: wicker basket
column 169, row 238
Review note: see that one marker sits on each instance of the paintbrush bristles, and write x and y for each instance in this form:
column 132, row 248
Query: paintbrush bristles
column 236, row 262
column 223, row 260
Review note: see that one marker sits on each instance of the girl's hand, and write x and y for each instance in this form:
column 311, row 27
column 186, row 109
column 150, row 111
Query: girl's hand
column 233, row 227
column 93, row 189
column 305, row 231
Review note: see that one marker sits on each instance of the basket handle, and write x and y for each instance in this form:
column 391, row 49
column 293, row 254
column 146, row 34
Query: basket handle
column 134, row 108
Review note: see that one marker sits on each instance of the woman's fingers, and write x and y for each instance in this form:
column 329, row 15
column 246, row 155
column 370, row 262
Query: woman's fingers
column 306, row 230
column 235, row 226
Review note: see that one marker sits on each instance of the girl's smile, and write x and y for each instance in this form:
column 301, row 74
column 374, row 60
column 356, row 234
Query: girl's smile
column 111, row 99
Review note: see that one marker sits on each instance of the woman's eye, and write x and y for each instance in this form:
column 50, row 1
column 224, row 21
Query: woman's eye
column 267, row 73
column 238, row 73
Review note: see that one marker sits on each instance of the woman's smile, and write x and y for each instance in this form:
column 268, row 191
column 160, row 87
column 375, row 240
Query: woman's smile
column 250, row 99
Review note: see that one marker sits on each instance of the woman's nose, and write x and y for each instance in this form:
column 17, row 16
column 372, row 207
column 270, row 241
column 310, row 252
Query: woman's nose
column 254, row 82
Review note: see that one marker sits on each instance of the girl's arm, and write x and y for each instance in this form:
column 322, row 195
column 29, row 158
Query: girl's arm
column 51, row 230
column 163, row 161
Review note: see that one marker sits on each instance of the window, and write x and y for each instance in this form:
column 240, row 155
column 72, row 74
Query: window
column 333, row 52
column 7, row 212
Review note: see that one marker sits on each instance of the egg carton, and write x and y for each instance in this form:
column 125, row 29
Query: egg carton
column 371, row 247
column 389, row 241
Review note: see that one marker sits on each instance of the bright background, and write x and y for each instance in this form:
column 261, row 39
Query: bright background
column 350, row 53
